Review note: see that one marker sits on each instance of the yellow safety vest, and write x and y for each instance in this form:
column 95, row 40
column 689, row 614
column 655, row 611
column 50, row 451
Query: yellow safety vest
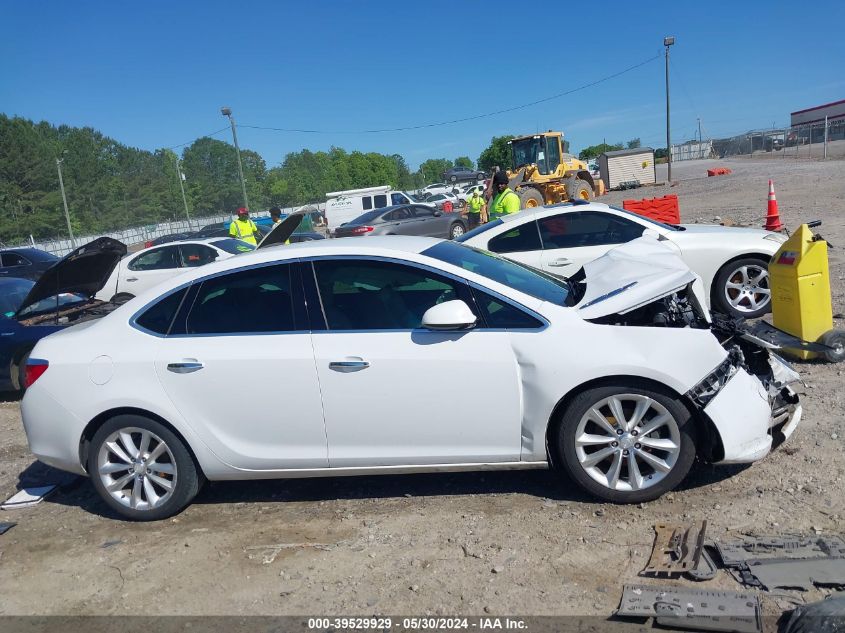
column 244, row 230
column 475, row 203
column 504, row 203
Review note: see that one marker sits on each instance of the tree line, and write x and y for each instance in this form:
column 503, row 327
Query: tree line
column 111, row 186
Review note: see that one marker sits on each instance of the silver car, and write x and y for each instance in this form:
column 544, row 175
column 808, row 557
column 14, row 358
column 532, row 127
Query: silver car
column 406, row 219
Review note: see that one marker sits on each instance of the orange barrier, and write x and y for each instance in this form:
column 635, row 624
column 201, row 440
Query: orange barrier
column 663, row 209
column 719, row 171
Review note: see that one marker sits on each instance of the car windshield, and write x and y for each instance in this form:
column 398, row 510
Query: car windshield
column 518, row 276
column 12, row 294
column 525, row 151
column 233, row 246
column 668, row 227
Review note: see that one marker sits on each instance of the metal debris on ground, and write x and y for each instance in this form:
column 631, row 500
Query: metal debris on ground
column 27, row 497
column 5, row 526
column 825, row 616
column 695, row 609
column 706, row 568
column 269, row 553
column 677, row 550
column 794, row 562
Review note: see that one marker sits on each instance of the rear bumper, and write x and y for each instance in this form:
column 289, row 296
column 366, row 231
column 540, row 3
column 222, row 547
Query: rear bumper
column 52, row 431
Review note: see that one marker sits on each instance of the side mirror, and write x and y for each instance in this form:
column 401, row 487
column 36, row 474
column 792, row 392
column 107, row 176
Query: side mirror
column 450, row 315
column 651, row 233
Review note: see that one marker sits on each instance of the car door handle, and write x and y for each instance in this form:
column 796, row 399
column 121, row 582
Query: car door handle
column 131, row 279
column 184, row 367
column 348, row 365
column 560, row 262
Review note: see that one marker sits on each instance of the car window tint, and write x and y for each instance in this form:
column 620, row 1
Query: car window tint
column 15, row 259
column 158, row 317
column 524, row 237
column 398, row 214
column 196, row 255
column 248, row 301
column 587, row 228
column 157, row 259
column 423, row 212
column 365, row 295
column 366, row 203
column 397, row 198
column 234, row 246
column 380, row 201
column 501, row 314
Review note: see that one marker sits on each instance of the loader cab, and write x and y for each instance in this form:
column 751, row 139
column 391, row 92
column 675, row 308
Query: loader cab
column 543, row 150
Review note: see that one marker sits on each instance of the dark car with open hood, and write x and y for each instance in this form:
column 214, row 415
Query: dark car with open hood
column 62, row 296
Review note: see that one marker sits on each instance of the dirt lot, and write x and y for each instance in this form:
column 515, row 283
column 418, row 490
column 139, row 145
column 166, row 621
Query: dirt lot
column 503, row 543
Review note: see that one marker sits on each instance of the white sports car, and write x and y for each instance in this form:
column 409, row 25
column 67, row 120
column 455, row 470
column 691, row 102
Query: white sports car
column 347, row 346
column 732, row 262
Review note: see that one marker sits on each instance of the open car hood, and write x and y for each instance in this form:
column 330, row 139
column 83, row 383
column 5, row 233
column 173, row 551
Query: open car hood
column 630, row 276
column 284, row 229
column 83, row 271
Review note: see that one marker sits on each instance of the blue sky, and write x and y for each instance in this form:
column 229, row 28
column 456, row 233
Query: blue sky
column 154, row 74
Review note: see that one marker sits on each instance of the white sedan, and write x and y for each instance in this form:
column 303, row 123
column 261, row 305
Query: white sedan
column 330, row 358
column 141, row 271
column 732, row 262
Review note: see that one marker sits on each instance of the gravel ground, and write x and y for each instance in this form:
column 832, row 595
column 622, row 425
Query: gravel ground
column 473, row 543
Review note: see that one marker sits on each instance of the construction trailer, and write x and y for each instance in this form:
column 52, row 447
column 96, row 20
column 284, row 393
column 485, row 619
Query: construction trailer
column 628, row 166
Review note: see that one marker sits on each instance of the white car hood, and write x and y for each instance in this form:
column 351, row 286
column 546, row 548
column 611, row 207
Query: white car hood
column 630, row 276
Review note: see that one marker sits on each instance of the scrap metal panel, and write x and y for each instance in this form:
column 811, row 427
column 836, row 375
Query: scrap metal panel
column 627, row 165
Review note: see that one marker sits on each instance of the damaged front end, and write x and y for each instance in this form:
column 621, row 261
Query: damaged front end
column 750, row 350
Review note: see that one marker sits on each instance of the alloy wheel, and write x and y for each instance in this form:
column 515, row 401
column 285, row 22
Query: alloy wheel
column 627, row 442
column 747, row 288
column 137, row 468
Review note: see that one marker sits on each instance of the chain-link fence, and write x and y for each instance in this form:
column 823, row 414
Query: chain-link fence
column 138, row 234
column 814, row 140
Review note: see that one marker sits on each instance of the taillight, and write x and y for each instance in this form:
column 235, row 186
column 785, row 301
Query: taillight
column 360, row 230
column 148, row 244
column 35, row 368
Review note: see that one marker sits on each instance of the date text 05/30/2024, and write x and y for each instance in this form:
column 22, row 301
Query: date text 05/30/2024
column 416, row 624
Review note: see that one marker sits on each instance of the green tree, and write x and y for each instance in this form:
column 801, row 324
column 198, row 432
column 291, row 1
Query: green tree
column 497, row 154
column 464, row 161
column 432, row 169
column 634, row 143
column 597, row 150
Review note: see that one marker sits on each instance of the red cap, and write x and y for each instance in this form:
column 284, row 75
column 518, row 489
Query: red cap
column 242, row 210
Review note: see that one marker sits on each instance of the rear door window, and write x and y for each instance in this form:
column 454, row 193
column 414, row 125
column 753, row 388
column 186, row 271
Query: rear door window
column 258, row 300
column 522, row 238
column 196, row 255
column 158, row 317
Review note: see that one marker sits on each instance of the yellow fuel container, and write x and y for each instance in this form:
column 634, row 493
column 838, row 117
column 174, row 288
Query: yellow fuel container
column 799, row 280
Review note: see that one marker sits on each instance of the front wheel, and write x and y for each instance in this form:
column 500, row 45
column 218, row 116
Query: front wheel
column 835, row 340
column 456, row 231
column 626, row 443
column 142, row 469
column 741, row 288
column 529, row 198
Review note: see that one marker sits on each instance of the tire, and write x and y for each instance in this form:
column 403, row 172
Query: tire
column 456, row 230
column 19, row 374
column 453, row 179
column 174, row 465
column 577, row 189
column 122, row 297
column 748, row 295
column 529, row 198
column 479, row 177
column 597, row 478
column 836, row 340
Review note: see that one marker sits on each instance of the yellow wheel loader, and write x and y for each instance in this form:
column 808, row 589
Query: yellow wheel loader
column 542, row 172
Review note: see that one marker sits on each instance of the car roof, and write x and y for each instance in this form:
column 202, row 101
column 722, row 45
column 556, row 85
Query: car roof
column 551, row 209
column 28, row 250
column 199, row 240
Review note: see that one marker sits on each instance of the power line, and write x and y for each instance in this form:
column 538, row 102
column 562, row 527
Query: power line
column 463, row 119
column 203, row 136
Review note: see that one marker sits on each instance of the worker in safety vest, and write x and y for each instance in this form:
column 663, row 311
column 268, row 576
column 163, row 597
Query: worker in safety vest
column 243, row 228
column 504, row 200
column 475, row 203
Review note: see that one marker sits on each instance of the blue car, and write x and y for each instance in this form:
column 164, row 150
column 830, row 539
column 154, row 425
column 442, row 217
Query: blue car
column 63, row 296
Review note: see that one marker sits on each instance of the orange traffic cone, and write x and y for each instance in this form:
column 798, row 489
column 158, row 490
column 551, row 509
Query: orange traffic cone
column 772, row 216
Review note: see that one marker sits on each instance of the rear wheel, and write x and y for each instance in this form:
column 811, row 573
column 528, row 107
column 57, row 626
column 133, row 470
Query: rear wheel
column 742, row 289
column 626, row 443
column 577, row 189
column 529, row 198
column 141, row 469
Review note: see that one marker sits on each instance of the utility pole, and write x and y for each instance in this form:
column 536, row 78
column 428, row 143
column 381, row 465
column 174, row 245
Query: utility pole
column 667, row 42
column 182, row 187
column 699, row 131
column 825, row 137
column 227, row 112
column 59, row 162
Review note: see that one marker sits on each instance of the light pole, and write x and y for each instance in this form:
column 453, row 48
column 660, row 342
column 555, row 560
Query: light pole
column 227, row 112
column 667, row 42
column 59, row 162
column 182, row 187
